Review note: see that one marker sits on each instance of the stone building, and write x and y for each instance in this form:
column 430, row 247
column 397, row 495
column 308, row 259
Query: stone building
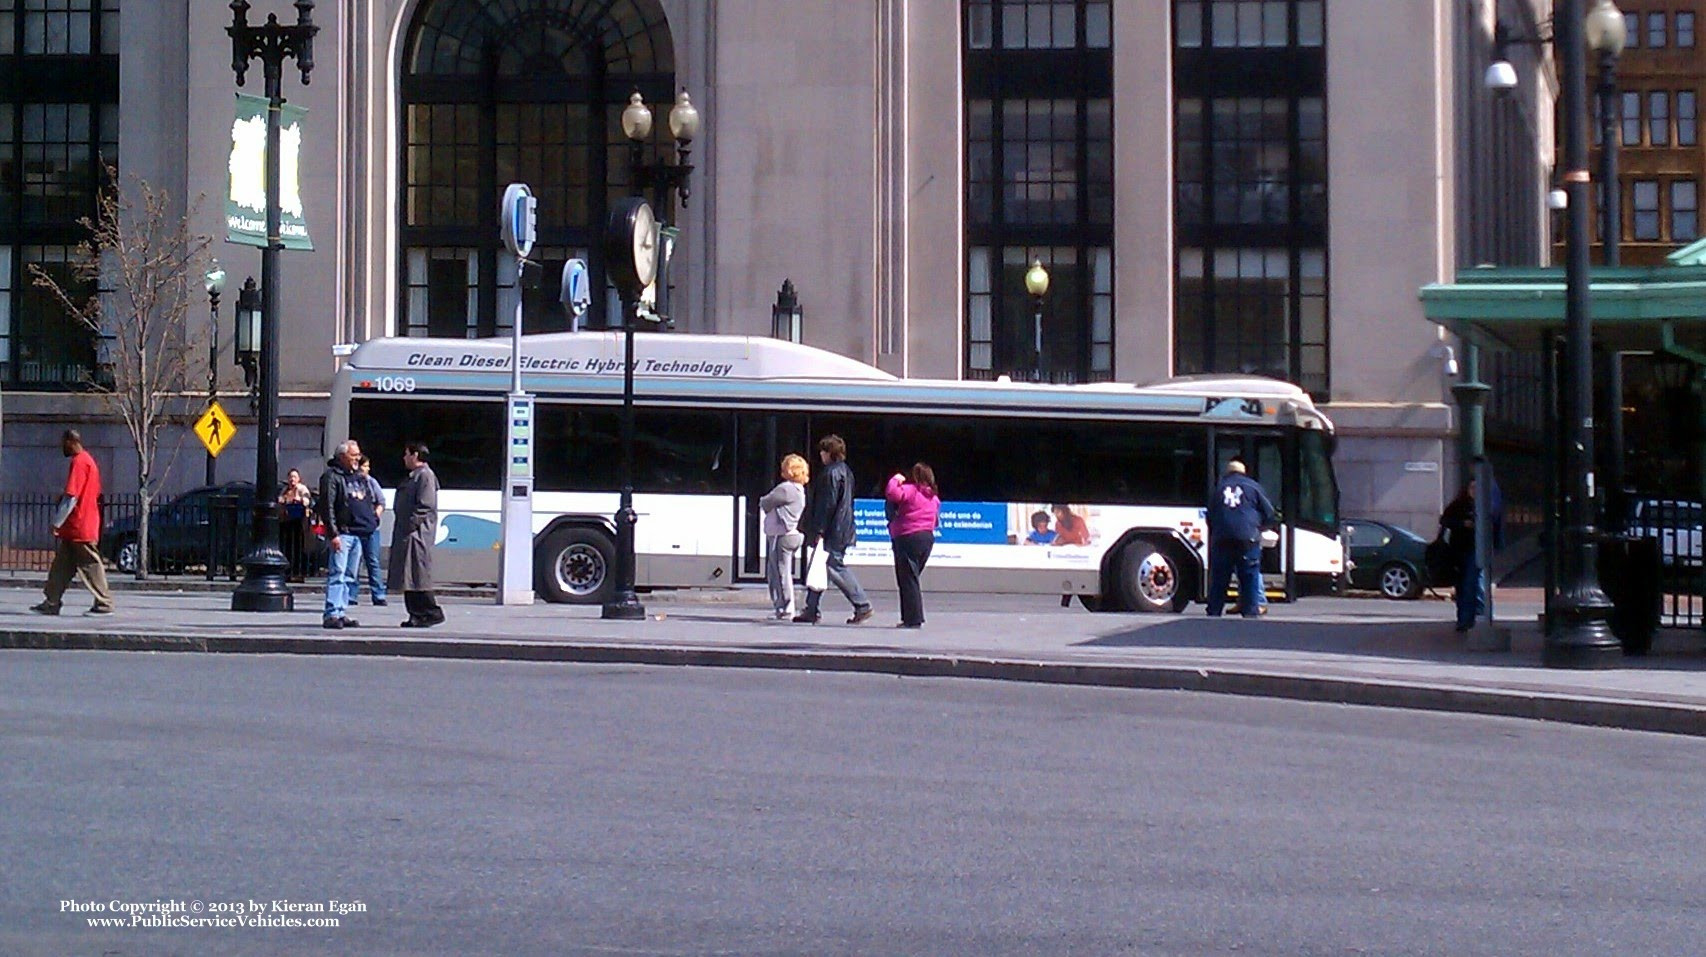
column 1215, row 185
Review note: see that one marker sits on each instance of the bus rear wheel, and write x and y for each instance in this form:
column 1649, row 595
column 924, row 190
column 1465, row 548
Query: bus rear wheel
column 575, row 566
column 1151, row 579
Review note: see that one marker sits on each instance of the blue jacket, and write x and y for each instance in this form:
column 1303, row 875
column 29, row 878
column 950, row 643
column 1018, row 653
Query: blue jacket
column 1238, row 509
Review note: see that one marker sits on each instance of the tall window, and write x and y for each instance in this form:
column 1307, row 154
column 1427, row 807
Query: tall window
column 58, row 122
column 1658, row 118
column 1631, row 132
column 1039, row 186
column 1687, row 121
column 1684, row 29
column 1684, row 211
column 1656, row 29
column 1250, row 196
column 522, row 91
column 1645, row 200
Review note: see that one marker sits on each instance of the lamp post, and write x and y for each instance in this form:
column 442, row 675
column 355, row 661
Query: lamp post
column 263, row 587
column 661, row 177
column 246, row 339
column 786, row 317
column 630, row 250
column 1605, row 34
column 1036, row 283
column 214, row 283
column 1577, row 631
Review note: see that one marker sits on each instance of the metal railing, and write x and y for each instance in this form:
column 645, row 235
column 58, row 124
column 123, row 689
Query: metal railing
column 1675, row 526
column 201, row 535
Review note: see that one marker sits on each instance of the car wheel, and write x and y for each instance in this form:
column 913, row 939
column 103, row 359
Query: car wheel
column 124, row 557
column 1399, row 582
column 576, row 566
column 1151, row 579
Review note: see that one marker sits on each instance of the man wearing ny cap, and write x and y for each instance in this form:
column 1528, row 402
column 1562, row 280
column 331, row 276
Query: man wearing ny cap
column 1237, row 511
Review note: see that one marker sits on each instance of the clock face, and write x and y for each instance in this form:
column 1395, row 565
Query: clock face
column 645, row 242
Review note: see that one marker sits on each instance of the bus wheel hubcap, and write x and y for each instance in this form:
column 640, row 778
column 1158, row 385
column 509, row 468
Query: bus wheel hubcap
column 1156, row 579
column 580, row 569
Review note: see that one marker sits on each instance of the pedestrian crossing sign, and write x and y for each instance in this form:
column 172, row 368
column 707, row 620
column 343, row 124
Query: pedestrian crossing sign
column 215, row 429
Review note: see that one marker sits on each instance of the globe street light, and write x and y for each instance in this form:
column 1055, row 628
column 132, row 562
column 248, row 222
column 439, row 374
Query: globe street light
column 1605, row 33
column 1578, row 634
column 1036, row 283
column 663, row 178
column 214, row 283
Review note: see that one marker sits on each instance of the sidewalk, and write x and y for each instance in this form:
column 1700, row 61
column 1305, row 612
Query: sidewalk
column 1346, row 650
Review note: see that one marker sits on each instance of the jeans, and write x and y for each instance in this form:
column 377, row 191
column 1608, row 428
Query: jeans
column 910, row 554
column 842, row 578
column 375, row 575
column 1469, row 602
column 779, row 569
column 1226, row 556
column 342, row 563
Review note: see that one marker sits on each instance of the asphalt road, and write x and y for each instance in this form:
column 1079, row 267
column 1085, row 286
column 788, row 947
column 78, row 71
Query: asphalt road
column 512, row 808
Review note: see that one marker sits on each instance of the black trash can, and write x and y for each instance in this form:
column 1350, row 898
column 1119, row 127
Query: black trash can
column 1632, row 574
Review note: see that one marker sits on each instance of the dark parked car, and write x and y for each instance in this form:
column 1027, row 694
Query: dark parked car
column 211, row 521
column 1386, row 558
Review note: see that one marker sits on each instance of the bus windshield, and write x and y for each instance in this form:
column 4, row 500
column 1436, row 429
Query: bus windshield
column 1318, row 490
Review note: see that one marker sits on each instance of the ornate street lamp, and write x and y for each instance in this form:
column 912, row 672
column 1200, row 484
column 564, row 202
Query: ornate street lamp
column 786, row 317
column 247, row 339
column 663, row 178
column 1605, row 33
column 1578, row 634
column 214, row 284
column 263, row 587
column 1036, row 283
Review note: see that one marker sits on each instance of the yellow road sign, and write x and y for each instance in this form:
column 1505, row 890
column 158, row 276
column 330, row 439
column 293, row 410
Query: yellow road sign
column 215, row 429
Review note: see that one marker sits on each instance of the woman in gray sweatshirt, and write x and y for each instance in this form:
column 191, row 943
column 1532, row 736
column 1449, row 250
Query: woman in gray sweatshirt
column 782, row 507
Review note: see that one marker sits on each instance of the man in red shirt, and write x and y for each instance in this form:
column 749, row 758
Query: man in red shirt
column 78, row 534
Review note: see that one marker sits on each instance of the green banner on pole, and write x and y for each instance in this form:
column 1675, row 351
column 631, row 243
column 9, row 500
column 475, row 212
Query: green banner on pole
column 246, row 199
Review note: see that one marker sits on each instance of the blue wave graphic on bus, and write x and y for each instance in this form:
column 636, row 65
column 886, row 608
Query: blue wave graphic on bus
column 960, row 523
column 466, row 531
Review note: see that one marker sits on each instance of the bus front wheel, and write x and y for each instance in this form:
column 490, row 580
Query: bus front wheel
column 576, row 566
column 1151, row 579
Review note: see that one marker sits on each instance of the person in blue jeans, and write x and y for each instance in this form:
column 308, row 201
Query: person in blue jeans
column 829, row 515
column 1237, row 511
column 370, row 541
column 346, row 508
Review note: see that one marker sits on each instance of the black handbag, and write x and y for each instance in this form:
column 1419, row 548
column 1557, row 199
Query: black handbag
column 1441, row 560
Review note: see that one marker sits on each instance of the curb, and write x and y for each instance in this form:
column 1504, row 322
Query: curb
column 1603, row 712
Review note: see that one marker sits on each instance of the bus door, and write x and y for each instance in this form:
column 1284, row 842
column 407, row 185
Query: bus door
column 1264, row 455
column 764, row 437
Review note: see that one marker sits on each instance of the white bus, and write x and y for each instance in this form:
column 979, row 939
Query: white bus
column 1088, row 490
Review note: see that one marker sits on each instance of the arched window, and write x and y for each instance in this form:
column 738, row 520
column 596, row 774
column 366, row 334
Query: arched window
column 502, row 91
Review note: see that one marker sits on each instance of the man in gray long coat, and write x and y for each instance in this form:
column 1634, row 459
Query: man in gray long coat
column 414, row 526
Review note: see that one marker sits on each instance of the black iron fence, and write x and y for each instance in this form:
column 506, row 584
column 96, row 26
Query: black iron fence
column 1670, row 564
column 200, row 535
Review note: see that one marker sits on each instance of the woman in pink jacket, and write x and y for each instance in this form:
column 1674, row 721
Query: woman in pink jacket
column 912, row 532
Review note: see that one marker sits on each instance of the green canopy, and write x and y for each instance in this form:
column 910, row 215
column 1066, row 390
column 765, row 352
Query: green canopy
column 1634, row 307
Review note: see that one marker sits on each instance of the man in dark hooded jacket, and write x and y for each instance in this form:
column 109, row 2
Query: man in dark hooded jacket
column 347, row 509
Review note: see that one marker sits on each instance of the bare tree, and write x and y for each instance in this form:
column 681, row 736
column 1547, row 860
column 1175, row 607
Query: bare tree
column 130, row 285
